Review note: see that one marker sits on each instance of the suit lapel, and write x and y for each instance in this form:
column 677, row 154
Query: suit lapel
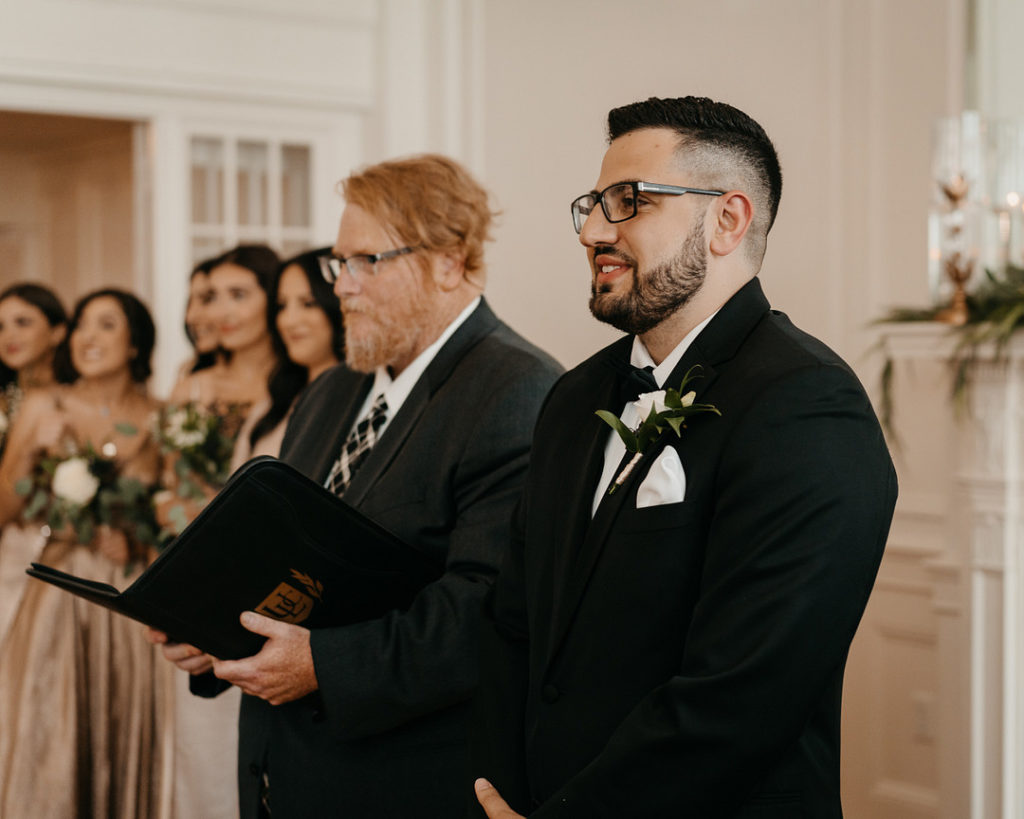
column 481, row 322
column 585, row 452
column 717, row 343
column 340, row 399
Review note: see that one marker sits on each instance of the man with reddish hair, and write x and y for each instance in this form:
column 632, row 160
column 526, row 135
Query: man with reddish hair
column 426, row 430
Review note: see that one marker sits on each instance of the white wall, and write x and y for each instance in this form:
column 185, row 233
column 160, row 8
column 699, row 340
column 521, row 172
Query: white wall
column 845, row 89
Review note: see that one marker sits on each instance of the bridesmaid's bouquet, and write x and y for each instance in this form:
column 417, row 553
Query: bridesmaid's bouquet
column 198, row 443
column 10, row 397
column 201, row 442
column 81, row 490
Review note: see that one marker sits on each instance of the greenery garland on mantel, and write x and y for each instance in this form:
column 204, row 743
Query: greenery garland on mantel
column 995, row 311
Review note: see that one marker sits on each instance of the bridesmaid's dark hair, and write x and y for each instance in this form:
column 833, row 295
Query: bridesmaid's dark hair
column 42, row 298
column 141, row 336
column 259, row 260
column 209, row 358
column 288, row 379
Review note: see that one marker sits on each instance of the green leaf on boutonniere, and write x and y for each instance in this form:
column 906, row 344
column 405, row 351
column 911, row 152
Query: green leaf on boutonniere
column 625, row 433
column 673, row 400
column 126, row 428
column 677, row 425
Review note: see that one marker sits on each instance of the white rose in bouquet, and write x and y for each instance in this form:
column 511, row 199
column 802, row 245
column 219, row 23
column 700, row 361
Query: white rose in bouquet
column 73, row 482
column 183, row 430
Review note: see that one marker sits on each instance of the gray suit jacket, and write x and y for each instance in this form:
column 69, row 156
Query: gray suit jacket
column 385, row 735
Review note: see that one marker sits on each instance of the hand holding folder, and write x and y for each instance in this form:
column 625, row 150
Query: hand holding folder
column 271, row 541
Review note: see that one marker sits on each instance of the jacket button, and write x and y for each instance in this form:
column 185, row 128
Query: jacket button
column 254, row 769
column 549, row 693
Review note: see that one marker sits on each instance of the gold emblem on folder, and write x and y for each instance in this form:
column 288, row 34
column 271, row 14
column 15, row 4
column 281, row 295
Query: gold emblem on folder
column 293, row 599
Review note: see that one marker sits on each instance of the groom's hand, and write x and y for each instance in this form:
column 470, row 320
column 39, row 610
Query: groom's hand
column 494, row 806
column 282, row 671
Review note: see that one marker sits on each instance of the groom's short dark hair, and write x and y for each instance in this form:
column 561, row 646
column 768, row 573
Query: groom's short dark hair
column 721, row 136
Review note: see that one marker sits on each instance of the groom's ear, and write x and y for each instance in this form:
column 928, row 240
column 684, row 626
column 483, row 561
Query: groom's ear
column 730, row 215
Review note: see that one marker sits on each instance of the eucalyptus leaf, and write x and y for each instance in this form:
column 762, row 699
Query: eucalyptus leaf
column 84, row 530
column 23, row 486
column 36, row 504
column 126, row 428
column 179, row 520
column 55, row 519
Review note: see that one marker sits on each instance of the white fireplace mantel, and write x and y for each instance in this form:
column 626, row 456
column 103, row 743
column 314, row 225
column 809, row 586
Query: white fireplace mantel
column 979, row 566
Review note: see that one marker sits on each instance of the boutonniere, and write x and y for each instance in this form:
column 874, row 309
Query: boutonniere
column 661, row 411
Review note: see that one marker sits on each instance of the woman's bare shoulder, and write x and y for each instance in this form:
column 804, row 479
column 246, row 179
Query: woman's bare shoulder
column 42, row 402
column 198, row 387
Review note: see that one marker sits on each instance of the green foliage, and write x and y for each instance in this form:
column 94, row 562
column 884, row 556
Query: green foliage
column 201, row 443
column 995, row 311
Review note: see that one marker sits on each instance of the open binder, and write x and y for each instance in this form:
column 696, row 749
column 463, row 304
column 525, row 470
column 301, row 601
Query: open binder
column 271, row 541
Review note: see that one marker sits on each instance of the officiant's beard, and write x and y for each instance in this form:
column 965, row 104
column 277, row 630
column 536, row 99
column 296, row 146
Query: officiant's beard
column 655, row 294
column 376, row 337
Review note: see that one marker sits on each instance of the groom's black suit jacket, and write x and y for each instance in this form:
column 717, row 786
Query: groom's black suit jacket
column 386, row 734
column 687, row 659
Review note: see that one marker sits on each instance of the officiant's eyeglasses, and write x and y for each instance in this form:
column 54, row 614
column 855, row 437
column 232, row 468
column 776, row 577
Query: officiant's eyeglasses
column 619, row 201
column 358, row 266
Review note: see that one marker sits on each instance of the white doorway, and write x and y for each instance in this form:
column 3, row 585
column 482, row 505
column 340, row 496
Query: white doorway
column 69, row 202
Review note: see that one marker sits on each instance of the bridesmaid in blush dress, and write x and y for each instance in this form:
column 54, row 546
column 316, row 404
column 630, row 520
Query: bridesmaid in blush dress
column 79, row 686
column 32, row 324
column 206, row 731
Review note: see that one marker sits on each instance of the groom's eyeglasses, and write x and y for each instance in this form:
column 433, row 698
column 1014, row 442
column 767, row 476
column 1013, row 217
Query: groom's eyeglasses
column 619, row 201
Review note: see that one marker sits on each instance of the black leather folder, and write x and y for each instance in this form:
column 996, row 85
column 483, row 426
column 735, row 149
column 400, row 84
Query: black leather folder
column 270, row 541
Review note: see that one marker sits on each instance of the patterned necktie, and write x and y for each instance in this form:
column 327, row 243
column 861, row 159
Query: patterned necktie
column 357, row 447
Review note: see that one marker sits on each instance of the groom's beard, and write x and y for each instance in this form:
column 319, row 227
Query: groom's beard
column 655, row 294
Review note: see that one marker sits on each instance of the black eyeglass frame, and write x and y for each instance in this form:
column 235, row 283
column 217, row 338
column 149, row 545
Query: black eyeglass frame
column 578, row 218
column 330, row 261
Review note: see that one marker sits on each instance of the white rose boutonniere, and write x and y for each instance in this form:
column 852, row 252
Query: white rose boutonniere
column 74, row 482
column 651, row 401
column 661, row 411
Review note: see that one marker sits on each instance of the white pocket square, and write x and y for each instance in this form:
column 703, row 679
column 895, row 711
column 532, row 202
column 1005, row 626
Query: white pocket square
column 665, row 482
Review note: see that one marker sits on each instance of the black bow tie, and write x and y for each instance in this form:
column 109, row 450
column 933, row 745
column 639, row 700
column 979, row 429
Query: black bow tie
column 633, row 381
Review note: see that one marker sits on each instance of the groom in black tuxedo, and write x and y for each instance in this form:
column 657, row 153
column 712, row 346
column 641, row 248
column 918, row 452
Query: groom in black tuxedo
column 426, row 430
column 669, row 639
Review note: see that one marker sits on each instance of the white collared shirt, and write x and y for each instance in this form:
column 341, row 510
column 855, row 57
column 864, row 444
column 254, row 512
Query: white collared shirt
column 614, row 449
column 396, row 390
